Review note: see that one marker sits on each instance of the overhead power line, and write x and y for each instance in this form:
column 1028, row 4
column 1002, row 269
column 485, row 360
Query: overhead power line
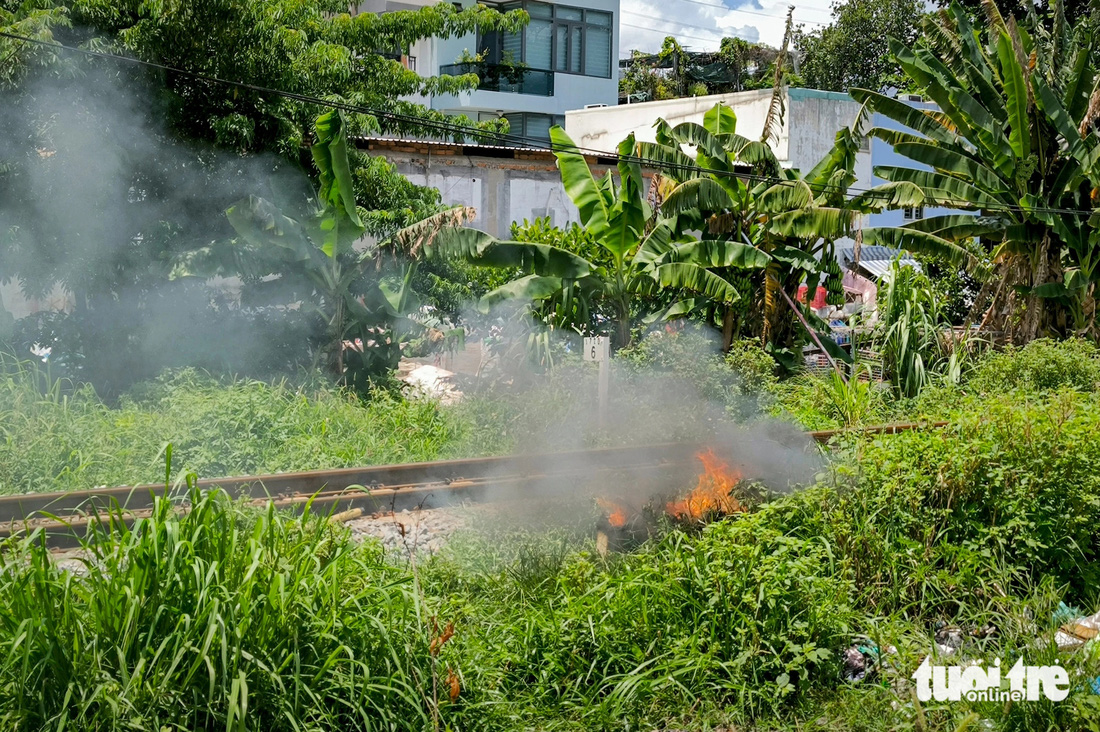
column 461, row 131
column 719, row 6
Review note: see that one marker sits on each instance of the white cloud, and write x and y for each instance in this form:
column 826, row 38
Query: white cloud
column 701, row 24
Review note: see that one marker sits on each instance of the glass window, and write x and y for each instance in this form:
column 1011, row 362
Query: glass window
column 575, row 48
column 597, row 52
column 511, row 48
column 540, row 42
column 595, row 17
column 538, row 126
column 561, row 47
column 540, row 10
column 558, row 38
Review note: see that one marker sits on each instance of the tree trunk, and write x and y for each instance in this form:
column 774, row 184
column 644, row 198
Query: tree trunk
column 728, row 318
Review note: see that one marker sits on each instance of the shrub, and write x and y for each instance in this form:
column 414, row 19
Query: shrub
column 1042, row 365
column 740, row 614
column 740, row 381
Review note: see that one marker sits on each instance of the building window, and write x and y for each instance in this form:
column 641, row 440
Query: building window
column 534, row 128
column 558, row 38
column 913, row 213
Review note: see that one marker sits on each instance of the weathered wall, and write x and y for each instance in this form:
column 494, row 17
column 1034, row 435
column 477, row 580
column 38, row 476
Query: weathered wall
column 503, row 184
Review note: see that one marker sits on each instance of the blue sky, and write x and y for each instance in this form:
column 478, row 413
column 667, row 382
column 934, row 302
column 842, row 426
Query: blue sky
column 700, row 24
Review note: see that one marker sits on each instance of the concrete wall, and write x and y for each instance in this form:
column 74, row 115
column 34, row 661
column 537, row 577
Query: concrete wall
column 503, row 184
column 809, row 127
column 603, row 129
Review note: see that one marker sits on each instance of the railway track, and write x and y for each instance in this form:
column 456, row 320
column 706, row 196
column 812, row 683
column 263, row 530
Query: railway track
column 65, row 517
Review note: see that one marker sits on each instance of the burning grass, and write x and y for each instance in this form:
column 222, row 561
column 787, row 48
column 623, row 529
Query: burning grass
column 713, row 494
column 229, row 618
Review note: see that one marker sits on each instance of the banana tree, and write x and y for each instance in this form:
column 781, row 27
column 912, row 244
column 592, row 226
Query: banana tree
column 733, row 189
column 647, row 255
column 308, row 260
column 1014, row 142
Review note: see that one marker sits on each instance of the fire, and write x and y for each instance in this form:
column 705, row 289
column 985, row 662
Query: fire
column 712, row 493
column 616, row 514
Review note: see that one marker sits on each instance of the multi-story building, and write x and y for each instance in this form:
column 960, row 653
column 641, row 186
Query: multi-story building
column 564, row 59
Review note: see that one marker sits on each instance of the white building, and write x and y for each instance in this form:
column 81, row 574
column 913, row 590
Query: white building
column 565, row 58
column 810, row 123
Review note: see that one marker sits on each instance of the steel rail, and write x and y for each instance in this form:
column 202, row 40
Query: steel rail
column 65, row 516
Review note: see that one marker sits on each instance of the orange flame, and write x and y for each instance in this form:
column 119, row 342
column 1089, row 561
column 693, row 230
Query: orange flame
column 712, row 493
column 616, row 514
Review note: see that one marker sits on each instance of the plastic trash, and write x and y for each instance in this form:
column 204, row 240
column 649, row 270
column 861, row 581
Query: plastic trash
column 861, row 659
column 1075, row 631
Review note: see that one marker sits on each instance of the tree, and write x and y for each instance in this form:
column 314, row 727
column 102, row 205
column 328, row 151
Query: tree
column 1016, row 143
column 112, row 172
column 31, row 19
column 1074, row 10
column 738, row 65
column 853, row 51
column 313, row 48
column 735, row 190
column 309, row 258
column 644, row 252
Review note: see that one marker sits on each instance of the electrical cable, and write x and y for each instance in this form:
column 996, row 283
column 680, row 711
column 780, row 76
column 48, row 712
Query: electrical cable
column 719, row 6
column 458, row 130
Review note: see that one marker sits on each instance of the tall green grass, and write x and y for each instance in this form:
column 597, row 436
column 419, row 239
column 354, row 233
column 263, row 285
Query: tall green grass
column 217, row 619
column 56, row 437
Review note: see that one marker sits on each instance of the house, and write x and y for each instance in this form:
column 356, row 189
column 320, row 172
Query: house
column 564, row 59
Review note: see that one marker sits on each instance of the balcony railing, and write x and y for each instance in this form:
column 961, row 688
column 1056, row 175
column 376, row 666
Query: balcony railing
column 502, row 78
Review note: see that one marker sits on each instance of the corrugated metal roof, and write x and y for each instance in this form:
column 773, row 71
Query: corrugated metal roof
column 448, row 143
column 878, row 267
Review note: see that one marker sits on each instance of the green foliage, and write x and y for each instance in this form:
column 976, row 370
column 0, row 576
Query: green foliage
column 853, row 51
column 1014, row 144
column 755, row 368
column 142, row 161
column 738, row 65
column 790, row 219
column 829, row 402
column 740, row 381
column 35, row 19
column 740, row 614
column 1009, row 488
column 989, row 521
column 216, row 618
column 910, row 330
column 58, row 439
column 311, row 260
column 1042, row 365
column 642, row 254
column 311, row 47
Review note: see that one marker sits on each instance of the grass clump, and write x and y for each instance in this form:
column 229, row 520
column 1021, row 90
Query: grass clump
column 56, row 440
column 219, row 618
column 738, row 615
